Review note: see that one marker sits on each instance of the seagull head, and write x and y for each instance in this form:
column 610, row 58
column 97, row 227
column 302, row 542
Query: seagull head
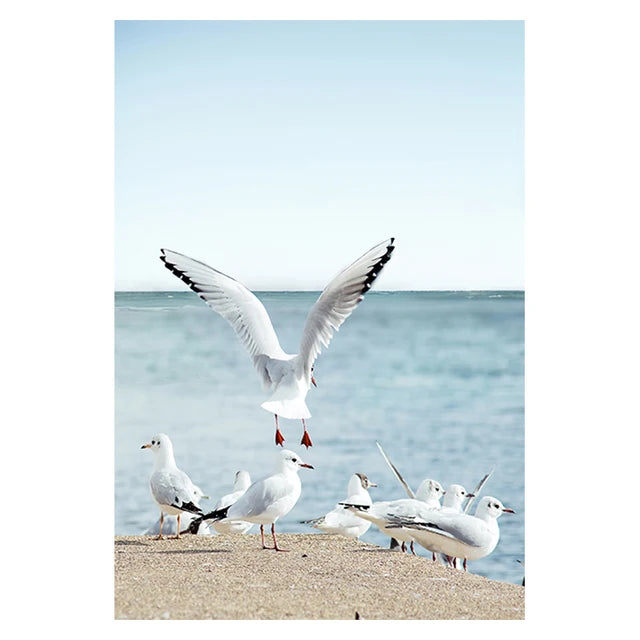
column 365, row 482
column 429, row 490
column 291, row 460
column 455, row 494
column 242, row 481
column 492, row 507
column 158, row 443
column 198, row 494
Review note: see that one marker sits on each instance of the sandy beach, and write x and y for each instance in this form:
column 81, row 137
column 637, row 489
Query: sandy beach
column 321, row 577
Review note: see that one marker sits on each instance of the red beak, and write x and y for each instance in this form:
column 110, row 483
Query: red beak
column 306, row 466
column 507, row 510
column 313, row 381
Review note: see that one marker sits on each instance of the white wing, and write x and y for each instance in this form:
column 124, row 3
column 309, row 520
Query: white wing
column 232, row 300
column 338, row 300
column 173, row 488
column 396, row 473
column 467, row 529
column 476, row 491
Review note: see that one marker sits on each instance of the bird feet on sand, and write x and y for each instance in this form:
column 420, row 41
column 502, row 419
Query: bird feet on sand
column 275, row 542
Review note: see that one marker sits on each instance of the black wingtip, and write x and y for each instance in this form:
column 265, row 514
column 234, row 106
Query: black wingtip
column 194, row 525
column 360, row 507
column 190, row 507
column 375, row 270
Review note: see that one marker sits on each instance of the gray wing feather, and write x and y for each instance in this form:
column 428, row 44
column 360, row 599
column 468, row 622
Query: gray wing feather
column 172, row 487
column 263, row 492
column 229, row 298
column 470, row 532
column 338, row 300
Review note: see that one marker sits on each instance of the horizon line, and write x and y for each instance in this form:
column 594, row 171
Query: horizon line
column 320, row 290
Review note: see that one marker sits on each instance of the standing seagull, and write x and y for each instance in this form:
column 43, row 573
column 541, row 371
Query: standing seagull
column 287, row 376
column 171, row 488
column 341, row 521
column 266, row 499
column 458, row 535
column 241, row 484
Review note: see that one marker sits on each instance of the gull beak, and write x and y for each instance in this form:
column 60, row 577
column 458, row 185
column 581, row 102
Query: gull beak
column 146, row 446
column 206, row 497
column 372, row 484
column 471, row 495
column 507, row 510
column 305, row 465
column 313, row 381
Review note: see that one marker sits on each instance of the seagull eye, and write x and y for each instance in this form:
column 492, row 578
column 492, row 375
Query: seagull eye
column 294, row 459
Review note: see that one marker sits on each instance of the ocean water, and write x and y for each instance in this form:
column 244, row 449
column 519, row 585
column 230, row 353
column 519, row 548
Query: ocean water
column 436, row 377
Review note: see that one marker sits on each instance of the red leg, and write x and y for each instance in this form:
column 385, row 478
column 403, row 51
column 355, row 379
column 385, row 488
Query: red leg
column 433, row 556
column 159, row 537
column 264, row 546
column 279, row 436
column 412, row 549
column 275, row 542
column 306, row 440
column 403, row 547
column 464, row 564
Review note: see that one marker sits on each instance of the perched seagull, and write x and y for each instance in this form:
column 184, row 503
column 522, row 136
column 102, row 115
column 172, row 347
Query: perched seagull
column 341, row 521
column 170, row 525
column 430, row 493
column 458, row 535
column 241, row 484
column 266, row 499
column 287, row 376
column 171, row 488
column 380, row 513
column 455, row 495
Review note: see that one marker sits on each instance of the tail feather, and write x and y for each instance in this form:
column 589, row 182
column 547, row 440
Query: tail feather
column 291, row 408
column 217, row 514
column 189, row 507
column 357, row 507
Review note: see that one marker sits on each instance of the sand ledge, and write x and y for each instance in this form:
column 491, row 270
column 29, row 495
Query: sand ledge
column 322, row 577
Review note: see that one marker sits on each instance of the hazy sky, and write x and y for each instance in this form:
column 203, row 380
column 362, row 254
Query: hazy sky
column 278, row 152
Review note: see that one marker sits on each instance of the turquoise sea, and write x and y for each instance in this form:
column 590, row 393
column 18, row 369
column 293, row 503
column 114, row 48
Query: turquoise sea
column 436, row 377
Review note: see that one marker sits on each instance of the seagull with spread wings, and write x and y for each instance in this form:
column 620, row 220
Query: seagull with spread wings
column 287, row 376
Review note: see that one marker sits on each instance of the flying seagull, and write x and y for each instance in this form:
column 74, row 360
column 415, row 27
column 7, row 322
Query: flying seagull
column 287, row 376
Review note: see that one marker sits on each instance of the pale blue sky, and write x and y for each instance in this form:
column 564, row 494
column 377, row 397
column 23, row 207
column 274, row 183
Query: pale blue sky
column 278, row 152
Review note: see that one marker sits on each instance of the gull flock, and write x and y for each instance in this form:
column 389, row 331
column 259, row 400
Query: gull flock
column 433, row 517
